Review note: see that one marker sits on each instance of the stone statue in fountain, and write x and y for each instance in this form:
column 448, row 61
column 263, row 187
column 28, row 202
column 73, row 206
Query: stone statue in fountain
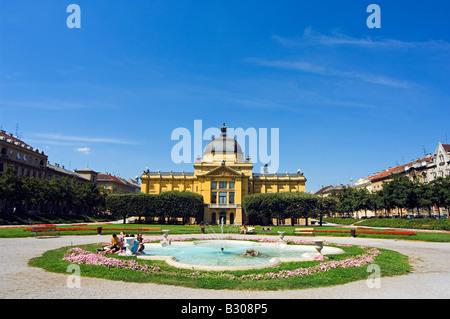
column 251, row 253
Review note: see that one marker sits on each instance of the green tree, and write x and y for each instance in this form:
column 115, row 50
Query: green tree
column 118, row 205
column 347, row 201
column 307, row 206
column 11, row 185
column 280, row 205
column 398, row 192
column 376, row 202
column 326, row 206
column 254, row 207
column 424, row 194
column 192, row 205
column 137, row 204
column 363, row 200
column 441, row 193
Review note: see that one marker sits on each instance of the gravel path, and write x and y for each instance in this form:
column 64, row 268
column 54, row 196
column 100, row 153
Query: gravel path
column 429, row 279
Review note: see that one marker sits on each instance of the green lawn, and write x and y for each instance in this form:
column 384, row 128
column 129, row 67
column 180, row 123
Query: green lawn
column 413, row 223
column 181, row 229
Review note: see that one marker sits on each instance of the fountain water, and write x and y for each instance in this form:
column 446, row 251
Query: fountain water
column 319, row 246
column 220, row 237
column 221, row 243
column 281, row 242
column 165, row 241
column 213, row 255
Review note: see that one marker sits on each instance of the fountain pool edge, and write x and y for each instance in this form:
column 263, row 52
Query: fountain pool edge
column 172, row 261
column 274, row 262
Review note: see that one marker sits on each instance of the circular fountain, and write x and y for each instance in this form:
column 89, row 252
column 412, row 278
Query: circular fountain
column 129, row 245
column 225, row 254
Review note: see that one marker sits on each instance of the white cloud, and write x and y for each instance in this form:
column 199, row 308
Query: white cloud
column 83, row 139
column 319, row 70
column 311, row 37
column 85, row 150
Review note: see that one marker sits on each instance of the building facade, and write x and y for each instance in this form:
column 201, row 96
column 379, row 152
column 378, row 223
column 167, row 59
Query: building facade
column 116, row 185
column 223, row 177
column 26, row 160
column 31, row 162
column 422, row 170
column 439, row 166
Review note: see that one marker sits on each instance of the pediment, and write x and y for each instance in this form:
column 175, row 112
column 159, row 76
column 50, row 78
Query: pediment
column 223, row 171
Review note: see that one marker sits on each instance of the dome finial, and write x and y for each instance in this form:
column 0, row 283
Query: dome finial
column 224, row 130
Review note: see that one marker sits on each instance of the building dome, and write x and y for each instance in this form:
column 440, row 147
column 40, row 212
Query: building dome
column 223, row 148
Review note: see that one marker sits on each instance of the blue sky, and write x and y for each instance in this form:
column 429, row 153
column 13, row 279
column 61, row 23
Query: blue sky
column 348, row 100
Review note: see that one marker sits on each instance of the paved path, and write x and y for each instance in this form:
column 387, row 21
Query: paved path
column 430, row 277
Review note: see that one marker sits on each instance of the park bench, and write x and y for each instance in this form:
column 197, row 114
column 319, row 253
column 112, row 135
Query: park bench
column 151, row 230
column 425, row 226
column 249, row 230
column 302, row 231
column 43, row 230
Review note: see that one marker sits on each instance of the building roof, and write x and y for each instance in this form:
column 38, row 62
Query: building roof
column 170, row 173
column 323, row 189
column 11, row 137
column 258, row 175
column 111, row 178
column 61, row 170
column 398, row 169
column 14, row 140
column 446, row 147
column 223, row 145
column 86, row 170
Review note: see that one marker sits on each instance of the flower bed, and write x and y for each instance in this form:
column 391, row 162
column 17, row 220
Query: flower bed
column 80, row 256
column 356, row 261
column 89, row 229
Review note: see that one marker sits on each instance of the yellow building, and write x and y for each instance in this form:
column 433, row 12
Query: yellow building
column 223, row 177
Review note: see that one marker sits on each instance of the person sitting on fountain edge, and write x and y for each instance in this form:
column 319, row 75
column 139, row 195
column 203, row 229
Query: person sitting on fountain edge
column 115, row 246
column 141, row 246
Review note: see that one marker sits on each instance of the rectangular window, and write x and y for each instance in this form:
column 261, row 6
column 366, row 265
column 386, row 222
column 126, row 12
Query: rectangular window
column 231, row 197
column 231, row 185
column 222, row 185
column 213, row 197
column 213, row 185
column 222, row 198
